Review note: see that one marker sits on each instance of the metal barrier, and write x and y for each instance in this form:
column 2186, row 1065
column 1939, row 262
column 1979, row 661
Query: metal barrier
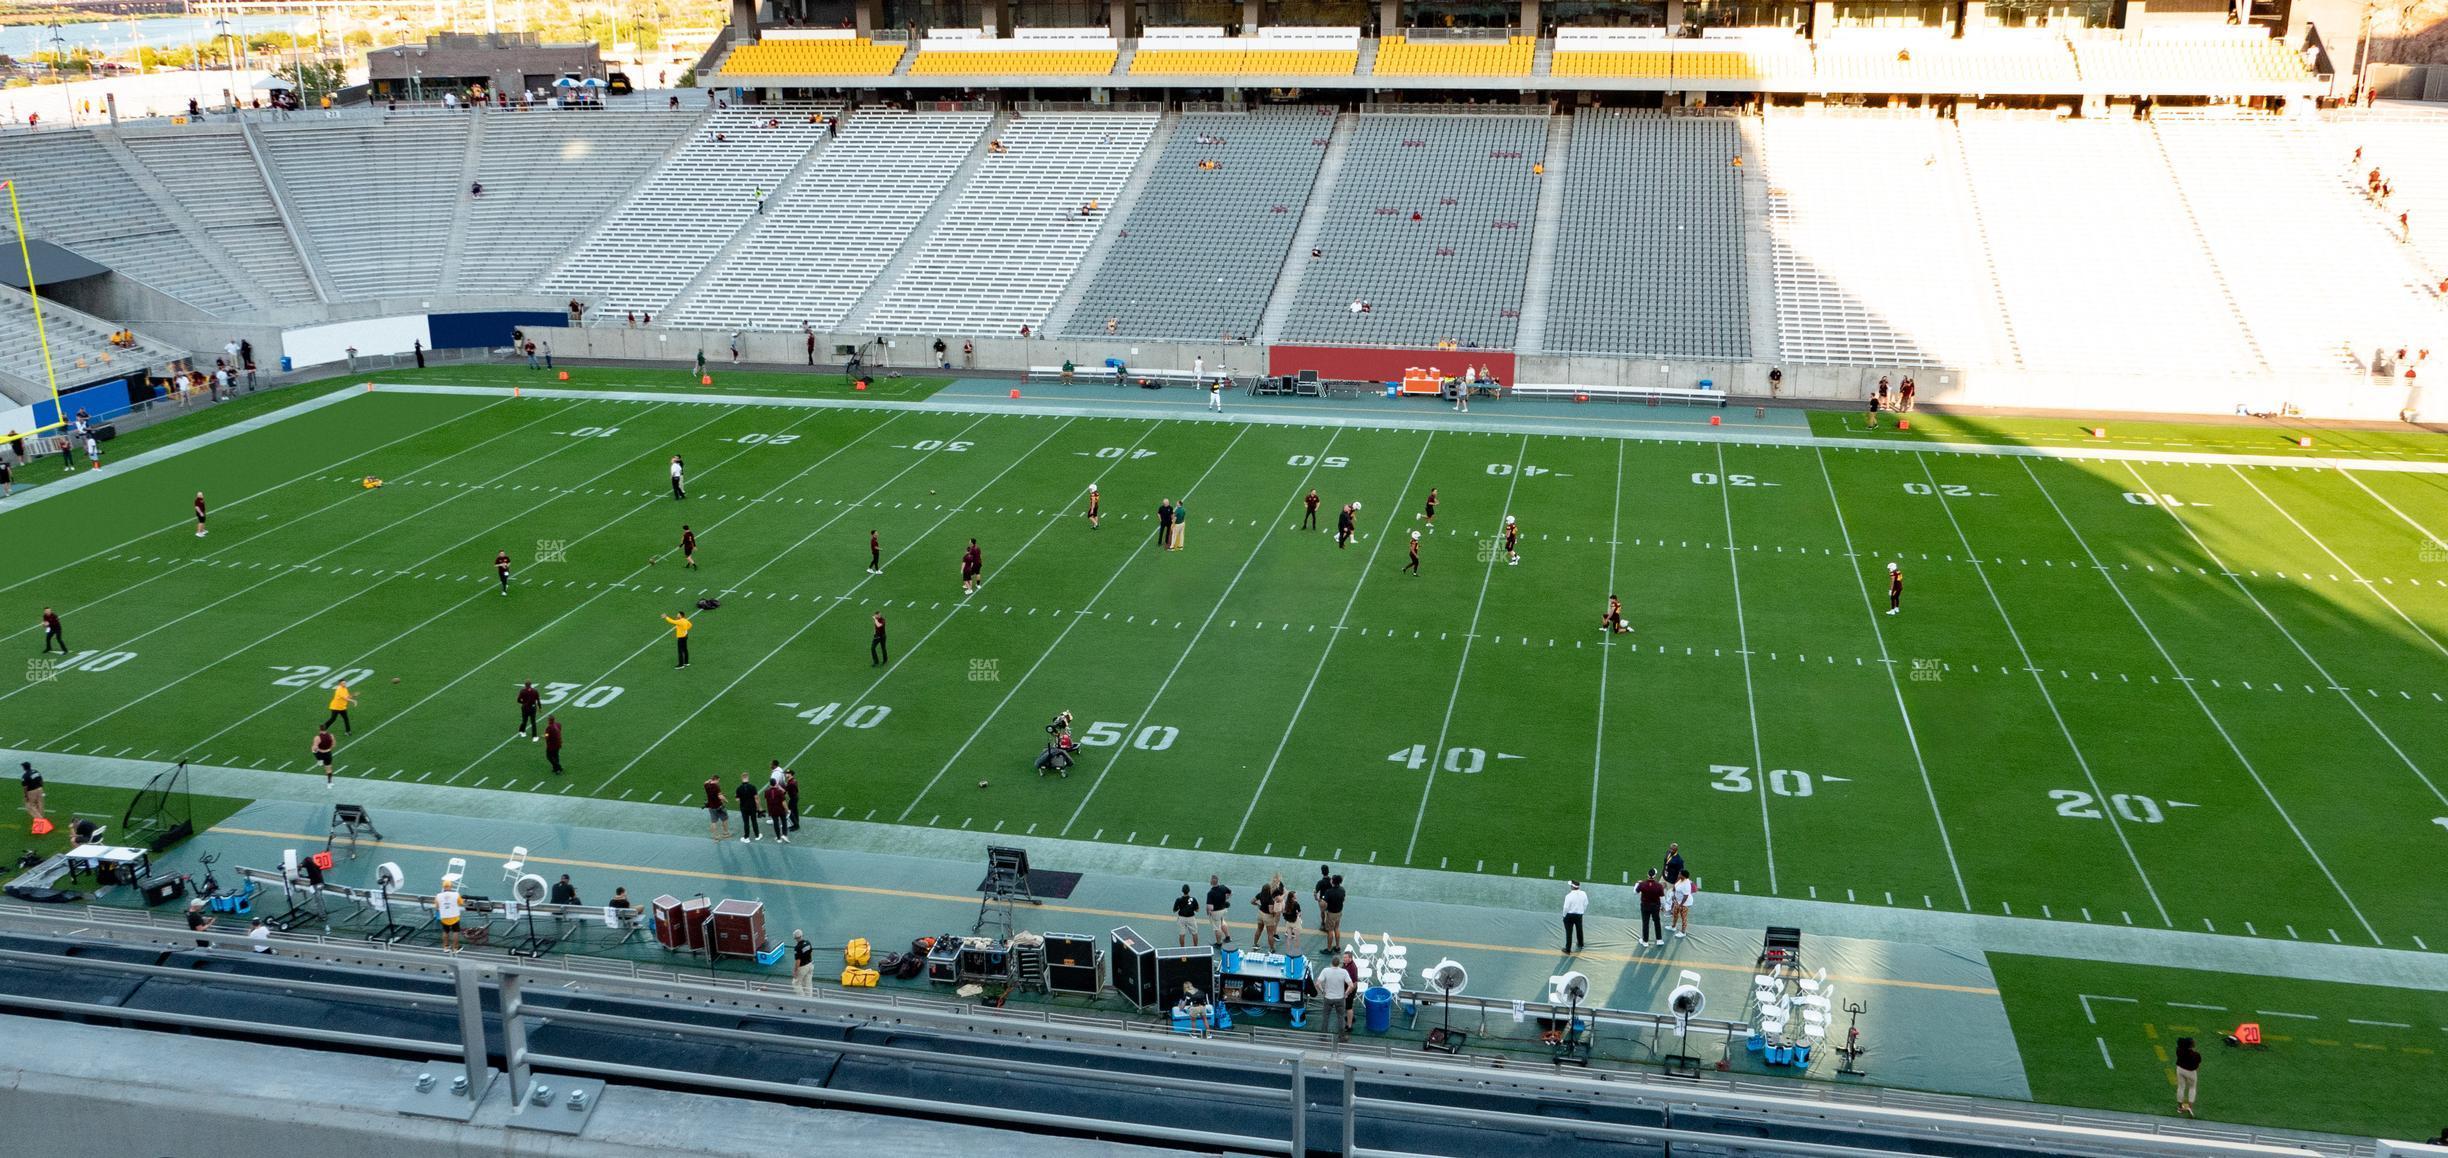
column 1401, row 1085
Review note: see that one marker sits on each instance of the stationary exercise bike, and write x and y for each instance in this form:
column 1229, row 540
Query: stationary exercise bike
column 1852, row 1049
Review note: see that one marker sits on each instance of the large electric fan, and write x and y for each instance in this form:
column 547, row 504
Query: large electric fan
column 1569, row 990
column 530, row 890
column 1447, row 977
column 1685, row 1003
column 388, row 877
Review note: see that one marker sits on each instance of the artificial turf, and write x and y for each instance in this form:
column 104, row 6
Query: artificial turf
column 2076, row 727
column 2282, row 437
column 2351, row 1059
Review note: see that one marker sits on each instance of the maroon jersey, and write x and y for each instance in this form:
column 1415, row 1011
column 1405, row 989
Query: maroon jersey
column 199, row 505
column 874, row 543
column 1895, row 582
column 775, row 802
column 714, row 792
column 688, row 542
column 501, row 561
column 879, row 626
column 552, row 736
column 1512, row 536
column 528, row 697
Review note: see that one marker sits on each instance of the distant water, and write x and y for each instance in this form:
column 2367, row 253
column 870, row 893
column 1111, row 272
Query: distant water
column 122, row 37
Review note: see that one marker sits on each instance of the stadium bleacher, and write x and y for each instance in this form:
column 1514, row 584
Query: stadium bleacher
column 2215, row 58
column 333, row 173
column 80, row 348
column 1428, row 227
column 1404, row 56
column 820, row 248
column 2098, row 260
column 1034, row 52
column 1992, row 61
column 1170, row 52
column 221, row 186
column 1232, row 224
column 2333, row 283
column 651, row 247
column 1010, row 242
column 2412, row 156
column 59, row 177
column 1850, row 286
column 1649, row 254
column 548, row 177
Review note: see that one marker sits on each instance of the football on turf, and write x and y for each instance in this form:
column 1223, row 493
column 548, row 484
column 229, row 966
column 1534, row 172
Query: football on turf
column 394, row 679
column 981, row 784
column 651, row 560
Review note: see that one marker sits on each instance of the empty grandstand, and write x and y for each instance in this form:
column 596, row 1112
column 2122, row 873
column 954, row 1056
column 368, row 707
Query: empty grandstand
column 1008, row 245
column 1649, row 252
column 221, row 184
column 692, row 206
column 1851, row 287
column 1201, row 247
column 333, row 173
column 810, row 257
column 548, row 177
column 1426, row 234
column 58, row 177
column 80, row 349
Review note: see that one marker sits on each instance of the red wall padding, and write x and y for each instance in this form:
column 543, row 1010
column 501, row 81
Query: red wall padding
column 1382, row 364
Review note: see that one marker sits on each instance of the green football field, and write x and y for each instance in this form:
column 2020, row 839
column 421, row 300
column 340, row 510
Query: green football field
column 2112, row 684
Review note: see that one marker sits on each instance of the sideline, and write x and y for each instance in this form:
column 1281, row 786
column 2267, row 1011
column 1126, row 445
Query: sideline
column 1558, row 428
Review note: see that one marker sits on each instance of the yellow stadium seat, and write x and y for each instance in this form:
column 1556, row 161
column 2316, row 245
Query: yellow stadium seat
column 1036, row 61
column 856, row 57
column 1254, row 61
column 1400, row 56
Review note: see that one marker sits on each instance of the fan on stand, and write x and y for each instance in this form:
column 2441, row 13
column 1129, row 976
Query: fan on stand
column 1572, row 1047
column 1447, row 977
column 530, row 890
column 387, row 876
column 1685, row 1003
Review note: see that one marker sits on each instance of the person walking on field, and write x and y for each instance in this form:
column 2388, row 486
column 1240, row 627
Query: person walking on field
column 1309, row 505
column 1181, row 524
column 528, row 700
column 1164, row 523
column 1895, row 588
column 875, row 553
column 679, row 491
column 2188, row 1075
column 501, row 567
column 1428, row 516
column 680, row 629
column 341, row 701
column 1095, row 515
column 51, row 632
column 1412, row 568
column 688, row 547
column 552, row 743
column 321, row 748
column 199, row 510
column 877, row 654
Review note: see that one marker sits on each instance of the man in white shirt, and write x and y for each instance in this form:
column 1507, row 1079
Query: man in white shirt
column 1334, row 987
column 1576, row 903
column 448, row 907
column 1678, row 901
column 259, row 936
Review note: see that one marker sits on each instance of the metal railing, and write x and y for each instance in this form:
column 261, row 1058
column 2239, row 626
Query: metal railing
column 1253, row 1070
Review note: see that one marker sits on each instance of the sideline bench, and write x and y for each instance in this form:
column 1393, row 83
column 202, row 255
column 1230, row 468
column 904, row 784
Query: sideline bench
column 1653, row 395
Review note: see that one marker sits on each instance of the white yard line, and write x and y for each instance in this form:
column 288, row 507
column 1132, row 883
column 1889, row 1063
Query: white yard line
column 1334, row 635
column 295, row 622
column 623, row 581
column 1059, row 636
column 2434, row 540
column 438, row 616
column 1929, row 788
column 1605, row 657
column 2300, row 649
column 1487, row 576
column 1308, row 475
column 1311, row 417
column 2357, row 576
column 225, row 547
column 2040, row 681
column 2192, row 689
column 199, row 442
column 946, row 620
column 1742, row 638
column 828, row 608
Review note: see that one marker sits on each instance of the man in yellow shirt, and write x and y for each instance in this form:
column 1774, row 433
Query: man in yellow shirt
column 680, row 629
column 342, row 700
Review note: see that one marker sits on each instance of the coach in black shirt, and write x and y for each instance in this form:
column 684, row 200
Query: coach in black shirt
column 747, row 794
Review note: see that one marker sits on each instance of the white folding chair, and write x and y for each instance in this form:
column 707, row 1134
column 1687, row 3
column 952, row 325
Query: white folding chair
column 517, row 863
column 454, row 870
column 1813, row 984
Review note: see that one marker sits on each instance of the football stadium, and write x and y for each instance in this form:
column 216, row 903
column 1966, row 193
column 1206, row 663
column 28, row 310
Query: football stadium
column 1928, row 515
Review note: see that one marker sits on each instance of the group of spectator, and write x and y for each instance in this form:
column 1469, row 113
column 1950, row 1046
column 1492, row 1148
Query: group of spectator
column 1279, row 913
column 1665, row 904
